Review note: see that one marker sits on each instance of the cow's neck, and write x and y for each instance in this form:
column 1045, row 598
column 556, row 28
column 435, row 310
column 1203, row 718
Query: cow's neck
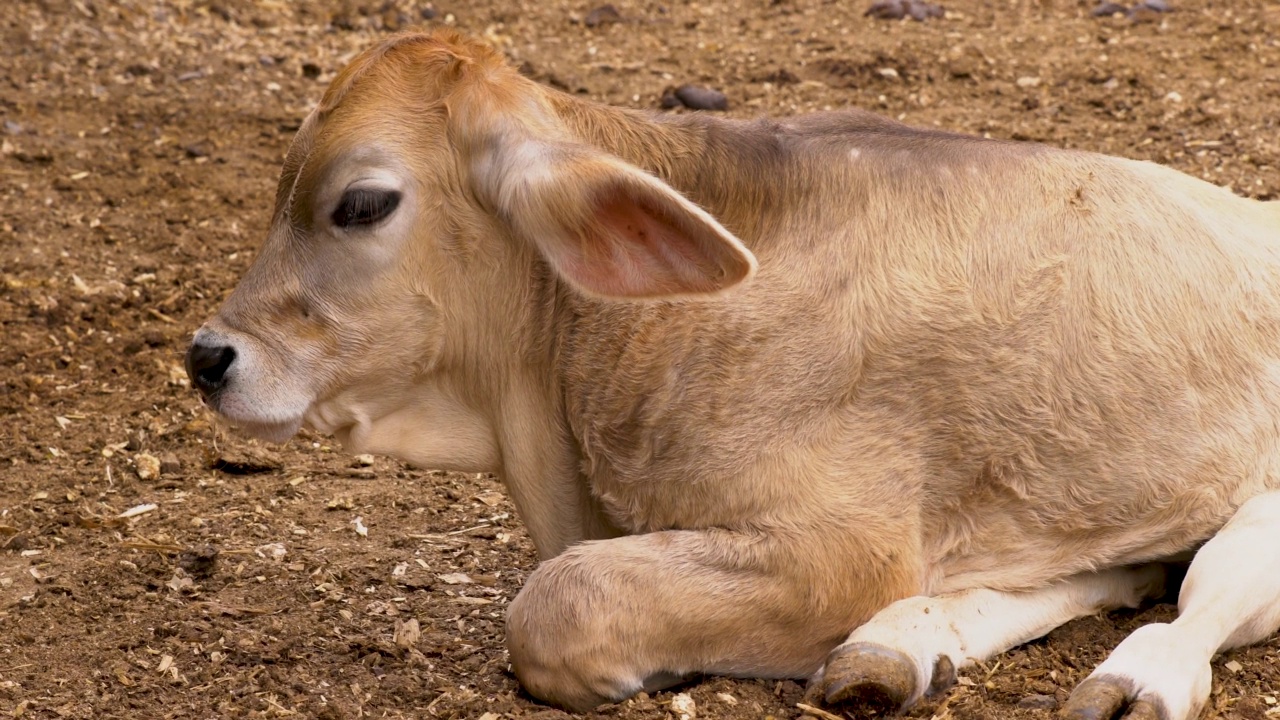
column 733, row 169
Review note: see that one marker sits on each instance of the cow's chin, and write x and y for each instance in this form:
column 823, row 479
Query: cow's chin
column 270, row 423
column 273, row 432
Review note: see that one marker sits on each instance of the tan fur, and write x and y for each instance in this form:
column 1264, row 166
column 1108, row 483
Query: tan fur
column 961, row 364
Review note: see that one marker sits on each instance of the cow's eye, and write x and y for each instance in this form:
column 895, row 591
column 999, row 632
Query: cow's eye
column 360, row 207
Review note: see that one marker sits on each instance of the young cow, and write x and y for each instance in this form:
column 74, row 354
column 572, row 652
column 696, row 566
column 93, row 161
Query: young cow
column 825, row 397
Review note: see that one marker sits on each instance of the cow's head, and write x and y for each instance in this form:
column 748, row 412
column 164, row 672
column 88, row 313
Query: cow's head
column 418, row 206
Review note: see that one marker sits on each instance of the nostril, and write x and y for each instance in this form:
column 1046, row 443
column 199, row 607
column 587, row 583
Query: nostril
column 207, row 366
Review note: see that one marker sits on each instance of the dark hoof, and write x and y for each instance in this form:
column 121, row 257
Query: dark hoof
column 1107, row 699
column 869, row 678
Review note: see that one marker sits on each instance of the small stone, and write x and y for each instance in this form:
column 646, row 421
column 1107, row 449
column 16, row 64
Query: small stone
column 363, row 460
column 1038, row 702
column 1157, row 5
column 169, row 464
column 272, row 551
column 601, row 16
column 1173, row 97
column 196, row 150
column 12, row 128
column 1027, row 81
column 696, row 97
column 1142, row 14
column 1107, row 9
column 683, row 707
column 147, row 466
column 921, row 11
column 887, row 10
column 199, row 562
column 897, row 9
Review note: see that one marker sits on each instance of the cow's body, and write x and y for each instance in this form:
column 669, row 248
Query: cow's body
column 964, row 369
column 1090, row 380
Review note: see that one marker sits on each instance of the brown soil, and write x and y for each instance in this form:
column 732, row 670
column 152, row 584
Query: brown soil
column 140, row 147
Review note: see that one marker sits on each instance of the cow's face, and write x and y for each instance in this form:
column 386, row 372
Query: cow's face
column 415, row 205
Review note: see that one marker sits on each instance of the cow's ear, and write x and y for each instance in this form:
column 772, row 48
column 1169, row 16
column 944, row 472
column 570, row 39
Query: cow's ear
column 609, row 228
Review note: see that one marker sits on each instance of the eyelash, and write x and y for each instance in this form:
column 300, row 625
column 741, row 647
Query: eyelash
column 359, row 208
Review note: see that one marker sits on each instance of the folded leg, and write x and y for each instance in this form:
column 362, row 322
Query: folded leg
column 609, row 618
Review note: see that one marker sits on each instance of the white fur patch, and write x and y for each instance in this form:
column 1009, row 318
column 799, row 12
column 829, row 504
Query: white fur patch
column 1231, row 597
column 973, row 625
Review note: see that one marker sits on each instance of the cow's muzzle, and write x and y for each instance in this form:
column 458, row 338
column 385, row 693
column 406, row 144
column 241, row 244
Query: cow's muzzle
column 207, row 366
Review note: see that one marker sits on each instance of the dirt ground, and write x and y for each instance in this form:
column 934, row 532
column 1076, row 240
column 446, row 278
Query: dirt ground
column 138, row 158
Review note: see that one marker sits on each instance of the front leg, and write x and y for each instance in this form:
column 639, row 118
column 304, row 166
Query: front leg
column 607, row 619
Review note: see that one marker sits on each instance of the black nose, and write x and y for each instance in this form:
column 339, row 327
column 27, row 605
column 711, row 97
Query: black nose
column 207, row 366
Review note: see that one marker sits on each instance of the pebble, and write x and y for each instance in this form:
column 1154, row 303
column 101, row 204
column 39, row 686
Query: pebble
column 601, row 16
column 1107, row 9
column 898, row 9
column 199, row 562
column 1038, row 702
column 169, row 464
column 12, row 128
column 695, row 97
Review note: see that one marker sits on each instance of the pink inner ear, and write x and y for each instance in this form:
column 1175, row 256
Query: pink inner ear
column 633, row 249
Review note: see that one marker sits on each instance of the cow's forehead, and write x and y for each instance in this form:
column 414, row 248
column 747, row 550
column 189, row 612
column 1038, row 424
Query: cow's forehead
column 291, row 170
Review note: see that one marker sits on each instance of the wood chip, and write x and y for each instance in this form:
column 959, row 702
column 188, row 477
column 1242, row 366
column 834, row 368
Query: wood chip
column 137, row 510
column 407, row 633
column 492, row 499
column 818, row 712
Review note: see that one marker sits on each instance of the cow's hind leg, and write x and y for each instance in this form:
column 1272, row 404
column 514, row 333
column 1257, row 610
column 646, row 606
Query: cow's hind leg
column 1230, row 597
column 607, row 619
column 914, row 646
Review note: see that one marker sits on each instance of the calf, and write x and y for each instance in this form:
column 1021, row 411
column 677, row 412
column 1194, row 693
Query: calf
column 826, row 397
